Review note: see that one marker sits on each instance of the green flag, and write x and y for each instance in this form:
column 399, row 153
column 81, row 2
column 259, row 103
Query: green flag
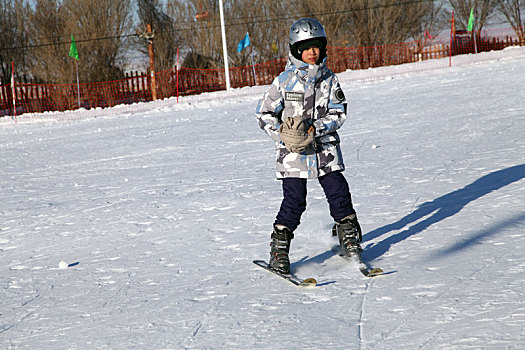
column 73, row 52
column 471, row 20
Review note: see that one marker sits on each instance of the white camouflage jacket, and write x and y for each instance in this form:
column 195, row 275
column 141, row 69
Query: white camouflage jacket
column 312, row 91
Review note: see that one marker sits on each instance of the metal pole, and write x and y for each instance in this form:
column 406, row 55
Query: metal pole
column 452, row 37
column 224, row 47
column 78, row 84
column 253, row 65
column 178, row 75
column 13, row 89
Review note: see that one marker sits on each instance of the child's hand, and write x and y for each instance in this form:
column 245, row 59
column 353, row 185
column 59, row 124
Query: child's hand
column 294, row 134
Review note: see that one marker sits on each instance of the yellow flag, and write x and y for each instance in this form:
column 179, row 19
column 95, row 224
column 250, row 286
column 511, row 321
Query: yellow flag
column 274, row 47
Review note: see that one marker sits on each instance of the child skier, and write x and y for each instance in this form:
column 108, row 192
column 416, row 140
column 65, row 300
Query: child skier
column 301, row 112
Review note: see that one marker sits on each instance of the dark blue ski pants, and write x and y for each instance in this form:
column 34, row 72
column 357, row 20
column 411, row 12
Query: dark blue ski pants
column 294, row 199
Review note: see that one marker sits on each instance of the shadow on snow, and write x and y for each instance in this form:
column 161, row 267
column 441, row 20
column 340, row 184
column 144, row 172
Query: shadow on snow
column 445, row 207
column 475, row 238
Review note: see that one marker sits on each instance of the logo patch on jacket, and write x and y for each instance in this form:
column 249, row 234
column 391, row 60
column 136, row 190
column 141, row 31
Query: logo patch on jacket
column 339, row 95
column 294, row 96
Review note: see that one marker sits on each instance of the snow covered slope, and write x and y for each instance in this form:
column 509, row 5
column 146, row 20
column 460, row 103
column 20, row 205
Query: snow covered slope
column 160, row 208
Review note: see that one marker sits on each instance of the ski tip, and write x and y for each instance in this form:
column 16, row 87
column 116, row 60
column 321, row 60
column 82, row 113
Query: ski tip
column 375, row 272
column 309, row 282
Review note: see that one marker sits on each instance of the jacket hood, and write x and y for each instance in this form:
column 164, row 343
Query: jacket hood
column 305, row 71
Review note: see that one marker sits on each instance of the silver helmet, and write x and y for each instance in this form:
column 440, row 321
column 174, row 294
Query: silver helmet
column 306, row 32
column 305, row 29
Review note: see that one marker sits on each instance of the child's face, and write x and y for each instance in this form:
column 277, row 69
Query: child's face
column 310, row 55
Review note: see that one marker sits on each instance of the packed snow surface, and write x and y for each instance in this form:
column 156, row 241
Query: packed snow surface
column 135, row 227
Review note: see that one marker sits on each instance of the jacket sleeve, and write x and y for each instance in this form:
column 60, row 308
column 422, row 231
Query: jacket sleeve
column 269, row 110
column 335, row 114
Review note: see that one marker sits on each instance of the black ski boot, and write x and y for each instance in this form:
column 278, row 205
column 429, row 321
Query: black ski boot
column 281, row 238
column 349, row 233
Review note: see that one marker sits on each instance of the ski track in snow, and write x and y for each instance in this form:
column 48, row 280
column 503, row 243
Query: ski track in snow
column 160, row 208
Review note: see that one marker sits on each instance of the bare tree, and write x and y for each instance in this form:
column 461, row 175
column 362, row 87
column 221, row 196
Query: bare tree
column 332, row 14
column 48, row 60
column 13, row 38
column 166, row 39
column 379, row 22
column 199, row 24
column 511, row 9
column 102, row 23
column 267, row 23
column 347, row 23
column 98, row 27
column 200, row 38
column 483, row 10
